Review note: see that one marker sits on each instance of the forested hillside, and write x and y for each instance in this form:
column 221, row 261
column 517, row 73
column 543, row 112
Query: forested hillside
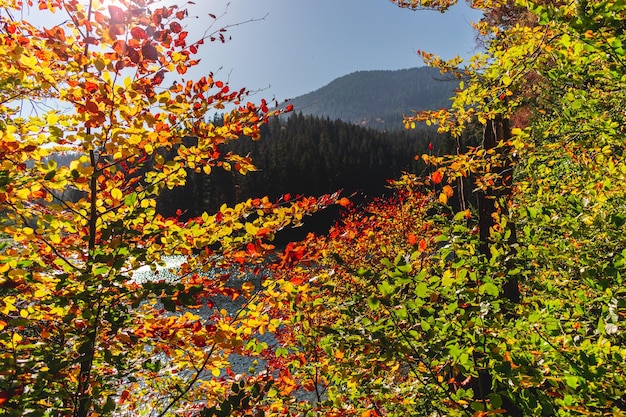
column 306, row 155
column 379, row 99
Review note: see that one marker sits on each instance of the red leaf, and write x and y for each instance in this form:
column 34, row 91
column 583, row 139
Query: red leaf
column 91, row 107
column 124, row 396
column 133, row 55
column 289, row 107
column 158, row 77
column 4, row 397
column 176, row 27
column 412, row 239
column 117, row 14
column 91, row 87
column 196, row 326
column 138, row 33
column 296, row 280
column 149, row 52
column 198, row 340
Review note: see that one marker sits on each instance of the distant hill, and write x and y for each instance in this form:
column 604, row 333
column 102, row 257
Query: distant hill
column 378, row 99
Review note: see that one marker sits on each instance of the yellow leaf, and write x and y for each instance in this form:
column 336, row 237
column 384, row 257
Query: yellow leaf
column 288, row 287
column 29, row 61
column 117, row 194
column 52, row 119
column 443, row 199
column 23, row 194
column 251, row 229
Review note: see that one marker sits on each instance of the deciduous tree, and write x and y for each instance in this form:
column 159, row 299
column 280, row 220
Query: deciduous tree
column 469, row 315
column 81, row 334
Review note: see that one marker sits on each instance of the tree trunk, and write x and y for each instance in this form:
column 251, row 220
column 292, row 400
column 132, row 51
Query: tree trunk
column 496, row 131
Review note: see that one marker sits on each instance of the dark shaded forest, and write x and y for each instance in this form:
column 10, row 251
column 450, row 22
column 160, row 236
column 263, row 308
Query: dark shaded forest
column 306, row 155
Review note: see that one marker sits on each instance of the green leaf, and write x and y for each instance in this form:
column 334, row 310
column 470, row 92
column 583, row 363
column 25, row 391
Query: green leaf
column 168, row 304
column 386, row 288
column 109, row 405
column 131, row 199
column 373, row 302
column 489, row 288
column 422, row 290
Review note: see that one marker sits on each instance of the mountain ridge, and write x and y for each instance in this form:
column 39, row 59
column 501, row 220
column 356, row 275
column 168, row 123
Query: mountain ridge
column 378, row 98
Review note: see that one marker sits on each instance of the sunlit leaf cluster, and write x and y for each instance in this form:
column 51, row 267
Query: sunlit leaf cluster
column 494, row 286
column 80, row 332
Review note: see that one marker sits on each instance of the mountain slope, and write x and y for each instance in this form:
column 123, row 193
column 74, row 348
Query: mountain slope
column 378, row 99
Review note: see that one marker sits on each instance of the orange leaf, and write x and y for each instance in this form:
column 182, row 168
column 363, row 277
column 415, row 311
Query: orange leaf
column 343, row 202
column 436, row 177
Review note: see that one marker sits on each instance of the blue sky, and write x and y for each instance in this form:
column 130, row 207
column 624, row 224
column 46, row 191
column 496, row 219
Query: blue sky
column 292, row 47
column 300, row 46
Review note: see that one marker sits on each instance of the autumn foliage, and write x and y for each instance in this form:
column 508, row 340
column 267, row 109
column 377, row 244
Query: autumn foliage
column 82, row 334
column 494, row 284
column 489, row 284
